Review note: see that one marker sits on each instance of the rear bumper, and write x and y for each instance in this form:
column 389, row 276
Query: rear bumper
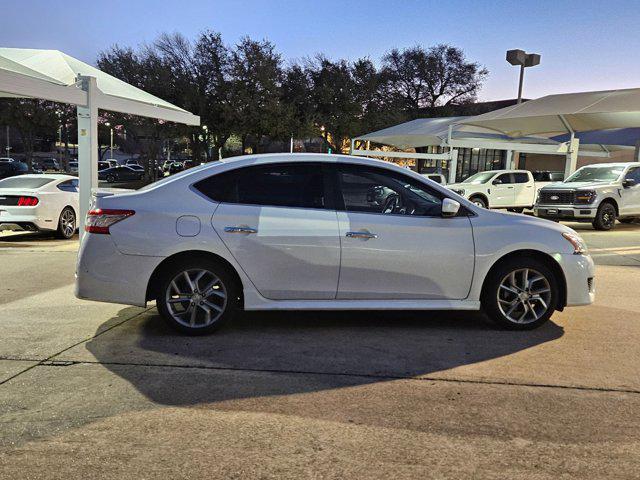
column 566, row 212
column 104, row 274
column 32, row 222
column 579, row 271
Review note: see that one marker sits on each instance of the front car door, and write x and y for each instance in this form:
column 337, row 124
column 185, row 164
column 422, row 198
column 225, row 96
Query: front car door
column 631, row 204
column 502, row 191
column 279, row 223
column 395, row 243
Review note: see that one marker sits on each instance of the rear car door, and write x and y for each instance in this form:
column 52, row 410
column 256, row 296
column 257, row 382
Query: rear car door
column 502, row 191
column 523, row 191
column 395, row 243
column 279, row 223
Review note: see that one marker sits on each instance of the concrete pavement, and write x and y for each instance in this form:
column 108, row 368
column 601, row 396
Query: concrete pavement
column 104, row 391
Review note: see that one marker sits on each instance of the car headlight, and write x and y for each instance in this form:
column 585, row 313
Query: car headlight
column 579, row 247
column 584, row 196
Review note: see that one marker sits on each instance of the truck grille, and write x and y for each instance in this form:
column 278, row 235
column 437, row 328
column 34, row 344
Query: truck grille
column 559, row 197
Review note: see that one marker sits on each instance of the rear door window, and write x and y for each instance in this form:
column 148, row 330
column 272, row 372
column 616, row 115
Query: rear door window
column 279, row 185
column 520, row 177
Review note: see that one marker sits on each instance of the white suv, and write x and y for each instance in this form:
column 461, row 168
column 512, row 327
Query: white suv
column 322, row 232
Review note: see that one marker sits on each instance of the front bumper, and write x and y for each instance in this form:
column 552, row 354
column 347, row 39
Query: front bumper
column 579, row 272
column 105, row 274
column 566, row 212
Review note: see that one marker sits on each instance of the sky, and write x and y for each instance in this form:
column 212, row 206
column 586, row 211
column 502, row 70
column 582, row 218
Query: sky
column 585, row 45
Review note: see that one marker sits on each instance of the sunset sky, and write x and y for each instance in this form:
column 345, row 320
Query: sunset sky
column 585, row 45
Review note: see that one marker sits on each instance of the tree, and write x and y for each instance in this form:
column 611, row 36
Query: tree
column 256, row 80
column 419, row 78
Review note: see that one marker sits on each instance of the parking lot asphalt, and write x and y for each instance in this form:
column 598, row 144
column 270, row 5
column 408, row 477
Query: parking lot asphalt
column 107, row 391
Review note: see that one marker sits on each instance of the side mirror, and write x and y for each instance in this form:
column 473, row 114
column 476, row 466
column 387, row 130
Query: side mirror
column 450, row 207
column 497, row 181
column 629, row 182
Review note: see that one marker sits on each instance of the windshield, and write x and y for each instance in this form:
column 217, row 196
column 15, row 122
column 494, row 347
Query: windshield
column 596, row 174
column 478, row 178
column 25, row 182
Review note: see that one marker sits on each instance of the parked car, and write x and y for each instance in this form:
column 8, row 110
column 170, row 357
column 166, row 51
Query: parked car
column 166, row 165
column 511, row 189
column 10, row 168
column 121, row 173
column 103, row 165
column 131, row 161
column 176, row 167
column 599, row 194
column 547, row 176
column 436, row 177
column 44, row 202
column 298, row 231
column 47, row 164
column 73, row 167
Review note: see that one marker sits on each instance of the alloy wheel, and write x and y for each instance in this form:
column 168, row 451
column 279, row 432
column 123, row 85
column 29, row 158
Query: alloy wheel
column 608, row 217
column 68, row 223
column 524, row 296
column 196, row 298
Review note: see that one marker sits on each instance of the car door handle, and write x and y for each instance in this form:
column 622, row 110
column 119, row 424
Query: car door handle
column 365, row 235
column 509, row 187
column 240, row 229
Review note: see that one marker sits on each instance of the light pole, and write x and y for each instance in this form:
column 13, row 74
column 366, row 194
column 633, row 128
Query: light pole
column 523, row 59
column 107, row 124
column 8, row 147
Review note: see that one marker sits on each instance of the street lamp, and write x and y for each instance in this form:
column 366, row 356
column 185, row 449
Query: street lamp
column 524, row 59
column 107, row 124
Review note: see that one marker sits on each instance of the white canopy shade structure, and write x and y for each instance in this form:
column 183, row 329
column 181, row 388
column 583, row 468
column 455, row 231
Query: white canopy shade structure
column 421, row 132
column 53, row 75
column 564, row 113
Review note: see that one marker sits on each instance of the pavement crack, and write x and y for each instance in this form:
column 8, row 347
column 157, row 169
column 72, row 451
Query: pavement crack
column 49, row 360
column 349, row 375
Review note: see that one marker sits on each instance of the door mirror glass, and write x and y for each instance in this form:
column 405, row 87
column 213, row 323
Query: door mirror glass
column 629, row 182
column 497, row 181
column 450, row 207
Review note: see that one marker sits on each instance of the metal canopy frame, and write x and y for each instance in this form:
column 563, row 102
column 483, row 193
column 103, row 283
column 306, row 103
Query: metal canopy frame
column 88, row 99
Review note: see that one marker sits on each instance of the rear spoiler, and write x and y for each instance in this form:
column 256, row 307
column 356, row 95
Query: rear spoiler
column 107, row 192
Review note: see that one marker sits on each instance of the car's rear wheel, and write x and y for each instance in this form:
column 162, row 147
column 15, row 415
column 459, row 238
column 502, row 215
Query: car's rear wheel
column 110, row 179
column 66, row 223
column 520, row 294
column 605, row 217
column 479, row 201
column 197, row 297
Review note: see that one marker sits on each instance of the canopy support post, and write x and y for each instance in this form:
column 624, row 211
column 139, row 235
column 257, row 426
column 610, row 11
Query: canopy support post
column 508, row 160
column 87, row 148
column 453, row 165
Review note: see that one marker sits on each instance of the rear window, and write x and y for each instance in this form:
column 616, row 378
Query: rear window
column 24, row 182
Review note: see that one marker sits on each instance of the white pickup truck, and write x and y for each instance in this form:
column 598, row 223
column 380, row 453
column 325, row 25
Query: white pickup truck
column 514, row 190
column 599, row 194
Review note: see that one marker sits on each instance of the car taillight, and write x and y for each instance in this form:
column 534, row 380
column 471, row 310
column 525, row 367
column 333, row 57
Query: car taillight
column 99, row 220
column 27, row 201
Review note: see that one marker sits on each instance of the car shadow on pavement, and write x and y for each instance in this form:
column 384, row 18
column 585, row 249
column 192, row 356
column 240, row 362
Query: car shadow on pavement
column 282, row 353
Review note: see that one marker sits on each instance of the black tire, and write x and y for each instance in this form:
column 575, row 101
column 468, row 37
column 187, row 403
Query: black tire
column 479, row 201
column 628, row 220
column 110, row 179
column 497, row 310
column 67, row 223
column 227, row 285
column 605, row 217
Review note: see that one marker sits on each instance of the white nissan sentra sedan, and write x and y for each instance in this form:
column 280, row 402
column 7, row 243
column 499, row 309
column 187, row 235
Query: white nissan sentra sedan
column 323, row 232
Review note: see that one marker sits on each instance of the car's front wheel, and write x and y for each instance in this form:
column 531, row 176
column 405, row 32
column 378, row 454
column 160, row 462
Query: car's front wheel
column 605, row 217
column 520, row 294
column 479, row 201
column 197, row 297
